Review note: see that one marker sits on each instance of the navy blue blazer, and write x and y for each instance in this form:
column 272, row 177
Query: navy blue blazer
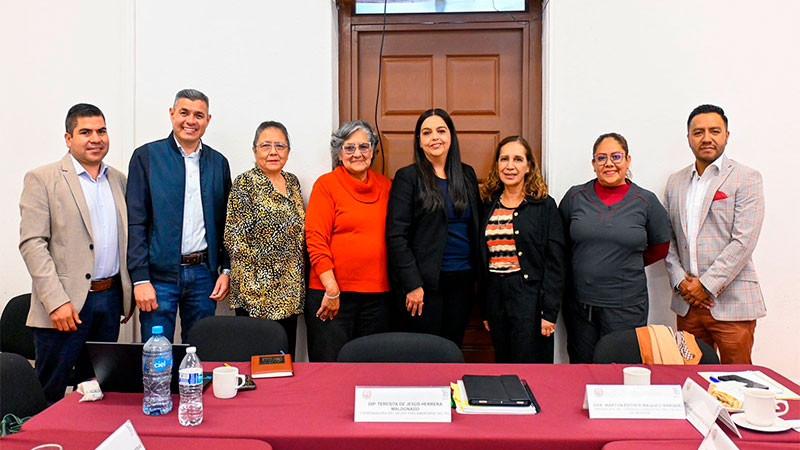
column 156, row 186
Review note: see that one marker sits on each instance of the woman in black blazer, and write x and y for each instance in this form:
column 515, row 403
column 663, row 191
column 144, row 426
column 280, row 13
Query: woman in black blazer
column 524, row 252
column 432, row 227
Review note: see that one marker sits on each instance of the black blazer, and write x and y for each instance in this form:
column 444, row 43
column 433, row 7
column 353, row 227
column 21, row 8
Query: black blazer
column 541, row 262
column 415, row 238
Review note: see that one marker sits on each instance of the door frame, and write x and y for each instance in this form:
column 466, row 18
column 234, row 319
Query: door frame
column 351, row 25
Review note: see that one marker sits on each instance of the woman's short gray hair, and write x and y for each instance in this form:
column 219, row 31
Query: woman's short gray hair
column 344, row 132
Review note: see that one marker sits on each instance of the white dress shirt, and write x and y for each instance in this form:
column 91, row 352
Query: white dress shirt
column 698, row 187
column 193, row 238
column 103, row 215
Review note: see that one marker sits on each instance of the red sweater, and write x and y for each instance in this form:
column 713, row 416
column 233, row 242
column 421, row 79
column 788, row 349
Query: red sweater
column 345, row 231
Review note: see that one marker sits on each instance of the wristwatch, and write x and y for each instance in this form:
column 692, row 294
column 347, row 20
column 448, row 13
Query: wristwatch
column 226, row 272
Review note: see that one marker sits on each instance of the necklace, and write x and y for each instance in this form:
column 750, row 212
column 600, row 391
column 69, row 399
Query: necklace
column 509, row 201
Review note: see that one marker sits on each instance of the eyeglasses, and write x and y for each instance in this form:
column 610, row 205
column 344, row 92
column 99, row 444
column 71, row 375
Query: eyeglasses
column 616, row 158
column 267, row 146
column 363, row 147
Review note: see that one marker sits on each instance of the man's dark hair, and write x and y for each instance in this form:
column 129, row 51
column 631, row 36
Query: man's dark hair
column 705, row 109
column 81, row 110
column 191, row 94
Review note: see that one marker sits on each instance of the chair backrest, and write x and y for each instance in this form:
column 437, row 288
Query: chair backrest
column 401, row 347
column 622, row 347
column 15, row 337
column 236, row 338
column 21, row 393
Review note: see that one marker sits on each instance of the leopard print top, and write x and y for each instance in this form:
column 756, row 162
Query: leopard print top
column 265, row 240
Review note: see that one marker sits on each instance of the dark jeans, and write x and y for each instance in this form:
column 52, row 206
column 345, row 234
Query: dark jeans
column 446, row 310
column 360, row 314
column 515, row 320
column 289, row 325
column 57, row 351
column 190, row 292
column 586, row 324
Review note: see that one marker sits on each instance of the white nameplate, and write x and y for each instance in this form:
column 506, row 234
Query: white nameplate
column 717, row 440
column 402, row 404
column 617, row 401
column 702, row 409
column 125, row 438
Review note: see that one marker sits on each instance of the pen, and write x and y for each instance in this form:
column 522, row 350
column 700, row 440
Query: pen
column 713, row 379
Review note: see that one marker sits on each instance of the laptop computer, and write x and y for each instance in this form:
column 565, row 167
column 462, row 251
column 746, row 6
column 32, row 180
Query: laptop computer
column 118, row 366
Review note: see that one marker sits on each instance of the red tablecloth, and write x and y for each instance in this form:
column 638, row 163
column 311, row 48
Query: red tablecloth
column 691, row 445
column 314, row 409
column 89, row 440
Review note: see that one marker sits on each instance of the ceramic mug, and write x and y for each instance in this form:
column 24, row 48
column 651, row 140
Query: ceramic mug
column 636, row 375
column 227, row 381
column 760, row 407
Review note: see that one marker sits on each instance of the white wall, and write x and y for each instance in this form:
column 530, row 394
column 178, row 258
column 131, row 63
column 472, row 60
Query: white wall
column 639, row 68
column 624, row 65
column 255, row 60
column 56, row 54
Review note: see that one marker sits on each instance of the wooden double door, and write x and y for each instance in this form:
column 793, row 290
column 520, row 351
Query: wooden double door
column 483, row 69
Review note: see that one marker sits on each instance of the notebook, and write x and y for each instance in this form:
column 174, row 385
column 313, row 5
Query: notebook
column 491, row 390
column 271, row 366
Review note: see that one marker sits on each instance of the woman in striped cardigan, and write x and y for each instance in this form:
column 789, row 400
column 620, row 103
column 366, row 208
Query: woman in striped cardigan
column 524, row 256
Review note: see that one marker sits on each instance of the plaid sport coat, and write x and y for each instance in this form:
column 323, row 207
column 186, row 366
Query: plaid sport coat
column 730, row 222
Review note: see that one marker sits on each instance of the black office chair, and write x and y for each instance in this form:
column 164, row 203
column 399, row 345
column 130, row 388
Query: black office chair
column 15, row 337
column 622, row 347
column 232, row 338
column 401, row 347
column 21, row 393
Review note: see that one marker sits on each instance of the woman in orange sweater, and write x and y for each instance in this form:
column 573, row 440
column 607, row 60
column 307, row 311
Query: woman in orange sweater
column 348, row 293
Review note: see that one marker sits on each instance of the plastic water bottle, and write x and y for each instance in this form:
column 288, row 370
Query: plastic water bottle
column 190, row 383
column 157, row 373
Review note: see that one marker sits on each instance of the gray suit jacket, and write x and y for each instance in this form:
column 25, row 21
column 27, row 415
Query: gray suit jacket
column 730, row 222
column 55, row 238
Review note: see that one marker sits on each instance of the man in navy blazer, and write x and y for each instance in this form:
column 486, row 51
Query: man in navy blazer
column 177, row 198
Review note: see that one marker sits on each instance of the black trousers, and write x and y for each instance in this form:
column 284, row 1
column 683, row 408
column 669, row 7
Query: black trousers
column 58, row 351
column 445, row 311
column 360, row 314
column 515, row 321
column 289, row 325
column 586, row 324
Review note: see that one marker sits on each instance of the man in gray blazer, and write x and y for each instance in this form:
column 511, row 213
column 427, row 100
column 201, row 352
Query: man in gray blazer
column 73, row 238
column 716, row 207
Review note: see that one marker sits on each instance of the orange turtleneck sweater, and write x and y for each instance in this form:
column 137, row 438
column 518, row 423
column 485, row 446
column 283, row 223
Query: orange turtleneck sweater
column 345, row 231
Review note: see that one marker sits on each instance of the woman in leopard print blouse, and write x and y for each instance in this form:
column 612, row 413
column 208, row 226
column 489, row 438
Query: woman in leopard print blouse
column 264, row 235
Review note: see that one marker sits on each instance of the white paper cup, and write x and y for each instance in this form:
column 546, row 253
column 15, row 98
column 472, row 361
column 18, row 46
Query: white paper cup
column 760, row 405
column 227, row 381
column 636, row 375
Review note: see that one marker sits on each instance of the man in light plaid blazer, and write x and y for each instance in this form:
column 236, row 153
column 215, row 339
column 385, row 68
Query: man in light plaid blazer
column 716, row 207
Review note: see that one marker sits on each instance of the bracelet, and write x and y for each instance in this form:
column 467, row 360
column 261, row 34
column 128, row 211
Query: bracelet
column 331, row 298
